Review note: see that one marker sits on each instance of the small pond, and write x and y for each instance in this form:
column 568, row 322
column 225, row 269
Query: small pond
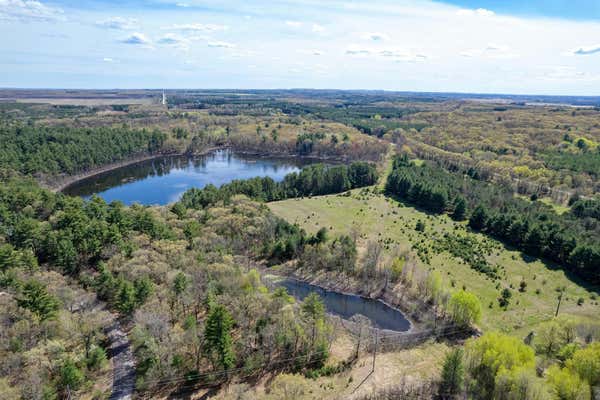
column 382, row 316
column 163, row 180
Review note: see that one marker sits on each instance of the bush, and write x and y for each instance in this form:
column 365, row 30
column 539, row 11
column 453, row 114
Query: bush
column 465, row 308
column 96, row 358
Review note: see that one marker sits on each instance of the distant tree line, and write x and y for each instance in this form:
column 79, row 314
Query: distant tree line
column 34, row 148
column 313, row 180
column 531, row 226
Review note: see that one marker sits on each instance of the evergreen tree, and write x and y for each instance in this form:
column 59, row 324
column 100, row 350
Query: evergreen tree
column 479, row 218
column 453, row 372
column 35, row 297
column 217, row 335
column 460, row 208
column 126, row 300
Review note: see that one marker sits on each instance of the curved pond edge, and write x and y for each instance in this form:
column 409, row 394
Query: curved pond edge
column 269, row 275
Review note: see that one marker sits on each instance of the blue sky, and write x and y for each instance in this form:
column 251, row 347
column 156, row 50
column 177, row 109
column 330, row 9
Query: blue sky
column 572, row 9
column 486, row 46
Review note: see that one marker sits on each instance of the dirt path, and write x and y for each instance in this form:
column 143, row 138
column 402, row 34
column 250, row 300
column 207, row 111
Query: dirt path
column 123, row 363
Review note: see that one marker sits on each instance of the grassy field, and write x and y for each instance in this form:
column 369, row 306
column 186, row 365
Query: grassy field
column 379, row 217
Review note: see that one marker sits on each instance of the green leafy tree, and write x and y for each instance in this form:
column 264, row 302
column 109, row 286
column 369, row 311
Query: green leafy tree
column 313, row 310
column 565, row 384
column 493, row 355
column 464, row 308
column 586, row 363
column 191, row 230
column 180, row 284
column 321, row 236
column 71, row 376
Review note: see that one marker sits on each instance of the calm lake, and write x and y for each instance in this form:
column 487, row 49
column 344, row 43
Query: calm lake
column 163, row 180
column 381, row 315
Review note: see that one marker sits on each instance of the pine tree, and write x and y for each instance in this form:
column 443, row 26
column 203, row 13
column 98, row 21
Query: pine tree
column 217, row 333
column 35, row 297
column 460, row 208
column 479, row 218
column 452, row 374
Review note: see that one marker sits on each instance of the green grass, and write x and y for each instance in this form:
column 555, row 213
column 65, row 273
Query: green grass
column 379, row 217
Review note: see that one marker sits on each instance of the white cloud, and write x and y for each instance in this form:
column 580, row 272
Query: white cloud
column 316, row 28
column 196, row 27
column 479, row 12
column 173, row 40
column 118, row 23
column 587, row 50
column 497, row 47
column 137, row 38
column 183, row 5
column 354, row 50
column 108, row 60
column 313, row 52
column 376, row 36
column 400, row 55
column 28, row 10
column 293, row 24
column 567, row 73
column 490, row 51
column 224, row 45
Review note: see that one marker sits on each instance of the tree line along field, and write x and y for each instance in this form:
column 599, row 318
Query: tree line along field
column 379, row 218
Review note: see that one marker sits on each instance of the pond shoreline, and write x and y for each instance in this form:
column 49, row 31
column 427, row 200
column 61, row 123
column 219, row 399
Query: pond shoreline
column 314, row 281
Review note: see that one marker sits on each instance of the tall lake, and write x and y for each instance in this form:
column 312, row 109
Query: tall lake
column 163, row 180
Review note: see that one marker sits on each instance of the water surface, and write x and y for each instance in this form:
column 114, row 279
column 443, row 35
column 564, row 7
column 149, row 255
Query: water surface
column 381, row 315
column 163, row 180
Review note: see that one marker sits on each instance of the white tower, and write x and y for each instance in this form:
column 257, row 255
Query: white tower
column 164, row 98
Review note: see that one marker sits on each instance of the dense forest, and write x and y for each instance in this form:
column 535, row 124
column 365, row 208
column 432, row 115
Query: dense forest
column 193, row 308
column 530, row 225
column 33, row 148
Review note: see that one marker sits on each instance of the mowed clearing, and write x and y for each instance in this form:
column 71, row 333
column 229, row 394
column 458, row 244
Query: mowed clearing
column 378, row 217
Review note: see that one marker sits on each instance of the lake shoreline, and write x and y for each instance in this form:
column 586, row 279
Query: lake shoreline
column 59, row 184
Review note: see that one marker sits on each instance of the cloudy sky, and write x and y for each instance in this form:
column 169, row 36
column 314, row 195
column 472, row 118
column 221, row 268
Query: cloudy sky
column 487, row 46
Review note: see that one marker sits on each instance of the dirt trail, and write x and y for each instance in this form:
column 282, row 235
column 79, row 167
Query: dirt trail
column 123, row 363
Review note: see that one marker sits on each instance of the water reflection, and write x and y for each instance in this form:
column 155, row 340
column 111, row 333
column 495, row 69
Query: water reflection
column 163, row 180
column 345, row 305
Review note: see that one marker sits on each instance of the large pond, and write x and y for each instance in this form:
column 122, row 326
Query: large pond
column 343, row 305
column 163, row 180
